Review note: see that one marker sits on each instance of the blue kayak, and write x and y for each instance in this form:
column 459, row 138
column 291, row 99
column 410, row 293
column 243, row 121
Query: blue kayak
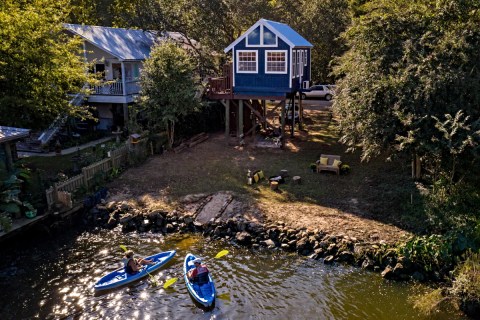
column 204, row 294
column 119, row 277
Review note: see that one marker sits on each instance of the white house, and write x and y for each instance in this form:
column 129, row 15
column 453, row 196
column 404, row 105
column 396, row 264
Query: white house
column 119, row 54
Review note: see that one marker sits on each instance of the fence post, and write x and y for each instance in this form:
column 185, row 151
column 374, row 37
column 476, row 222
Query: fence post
column 85, row 177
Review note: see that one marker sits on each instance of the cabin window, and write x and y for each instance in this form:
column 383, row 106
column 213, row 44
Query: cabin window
column 276, row 61
column 269, row 38
column 300, row 63
column 247, row 61
column 253, row 37
column 305, row 58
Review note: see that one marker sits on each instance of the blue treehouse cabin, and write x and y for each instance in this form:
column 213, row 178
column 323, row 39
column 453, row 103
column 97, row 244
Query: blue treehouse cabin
column 270, row 61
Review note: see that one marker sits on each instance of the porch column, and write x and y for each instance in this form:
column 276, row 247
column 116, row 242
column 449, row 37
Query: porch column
column 240, row 118
column 124, row 89
column 227, row 121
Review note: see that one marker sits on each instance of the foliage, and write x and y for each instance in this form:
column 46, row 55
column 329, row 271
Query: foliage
column 322, row 21
column 410, row 81
column 5, row 222
column 39, row 63
column 168, row 88
column 312, row 166
column 345, row 169
column 466, row 286
column 428, row 303
column 454, row 207
column 10, row 192
column 432, row 253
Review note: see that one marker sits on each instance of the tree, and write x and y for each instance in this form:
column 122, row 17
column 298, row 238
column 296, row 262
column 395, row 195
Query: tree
column 322, row 22
column 168, row 87
column 39, row 64
column 411, row 67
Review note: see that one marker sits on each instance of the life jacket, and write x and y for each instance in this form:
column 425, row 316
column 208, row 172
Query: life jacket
column 127, row 267
column 200, row 275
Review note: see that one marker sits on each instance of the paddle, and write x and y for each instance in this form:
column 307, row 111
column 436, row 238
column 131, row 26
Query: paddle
column 155, row 283
column 171, row 281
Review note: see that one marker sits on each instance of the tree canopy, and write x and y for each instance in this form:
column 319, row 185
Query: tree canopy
column 39, row 64
column 410, row 81
column 168, row 87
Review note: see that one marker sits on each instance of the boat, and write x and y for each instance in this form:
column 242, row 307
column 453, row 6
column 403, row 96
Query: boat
column 203, row 294
column 119, row 277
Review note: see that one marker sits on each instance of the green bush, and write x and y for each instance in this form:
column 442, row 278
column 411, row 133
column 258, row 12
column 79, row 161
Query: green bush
column 466, row 286
column 344, row 169
column 432, row 253
column 5, row 222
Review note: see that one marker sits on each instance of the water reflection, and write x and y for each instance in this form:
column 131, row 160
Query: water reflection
column 54, row 280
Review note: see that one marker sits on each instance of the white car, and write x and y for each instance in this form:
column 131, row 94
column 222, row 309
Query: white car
column 319, row 91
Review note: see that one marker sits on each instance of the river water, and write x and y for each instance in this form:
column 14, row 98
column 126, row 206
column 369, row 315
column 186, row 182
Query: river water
column 52, row 277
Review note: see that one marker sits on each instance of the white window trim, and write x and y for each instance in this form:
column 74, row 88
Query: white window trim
column 298, row 63
column 238, row 61
column 294, row 64
column 261, row 40
column 301, row 62
column 286, row 62
column 305, row 61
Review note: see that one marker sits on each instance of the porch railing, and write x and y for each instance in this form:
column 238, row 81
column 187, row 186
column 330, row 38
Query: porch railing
column 115, row 88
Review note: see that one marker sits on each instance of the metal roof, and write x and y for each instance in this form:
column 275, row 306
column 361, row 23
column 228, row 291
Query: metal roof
column 11, row 133
column 125, row 44
column 282, row 30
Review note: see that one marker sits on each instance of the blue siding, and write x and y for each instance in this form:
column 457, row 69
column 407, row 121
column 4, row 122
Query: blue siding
column 260, row 83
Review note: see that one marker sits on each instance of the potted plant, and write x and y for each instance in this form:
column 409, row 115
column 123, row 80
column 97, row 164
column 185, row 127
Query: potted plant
column 344, row 169
column 313, row 167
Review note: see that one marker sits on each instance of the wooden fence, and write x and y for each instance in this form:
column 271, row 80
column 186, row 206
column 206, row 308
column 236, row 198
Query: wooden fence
column 118, row 158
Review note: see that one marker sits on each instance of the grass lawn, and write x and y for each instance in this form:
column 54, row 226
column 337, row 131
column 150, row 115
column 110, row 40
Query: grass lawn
column 379, row 191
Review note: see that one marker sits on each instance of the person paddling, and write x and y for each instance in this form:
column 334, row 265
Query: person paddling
column 133, row 265
column 199, row 274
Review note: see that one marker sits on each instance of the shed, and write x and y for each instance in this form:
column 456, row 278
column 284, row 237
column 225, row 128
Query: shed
column 8, row 151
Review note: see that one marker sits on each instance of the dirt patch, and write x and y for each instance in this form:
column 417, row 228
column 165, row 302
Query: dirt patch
column 209, row 181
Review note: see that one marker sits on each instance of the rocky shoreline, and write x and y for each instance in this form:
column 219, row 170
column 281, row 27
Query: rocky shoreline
column 234, row 227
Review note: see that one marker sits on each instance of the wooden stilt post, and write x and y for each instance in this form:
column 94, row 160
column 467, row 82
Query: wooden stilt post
column 240, row 119
column 282, row 106
column 264, row 113
column 293, row 116
column 300, row 111
column 227, row 121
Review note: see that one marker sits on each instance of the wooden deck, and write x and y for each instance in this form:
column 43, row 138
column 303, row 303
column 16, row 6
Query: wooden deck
column 22, row 224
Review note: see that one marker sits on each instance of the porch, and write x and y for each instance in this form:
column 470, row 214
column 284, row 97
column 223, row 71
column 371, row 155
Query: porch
column 115, row 91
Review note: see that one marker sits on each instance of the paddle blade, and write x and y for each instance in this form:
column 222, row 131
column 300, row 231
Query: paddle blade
column 169, row 282
column 221, row 254
column 123, row 248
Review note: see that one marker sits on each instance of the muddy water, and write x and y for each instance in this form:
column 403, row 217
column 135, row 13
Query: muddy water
column 53, row 279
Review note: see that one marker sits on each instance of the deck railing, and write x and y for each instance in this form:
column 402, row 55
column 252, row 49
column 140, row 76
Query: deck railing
column 115, row 88
column 221, row 85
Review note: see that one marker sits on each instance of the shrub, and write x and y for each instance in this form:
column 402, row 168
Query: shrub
column 5, row 222
column 312, row 166
column 344, row 169
column 466, row 286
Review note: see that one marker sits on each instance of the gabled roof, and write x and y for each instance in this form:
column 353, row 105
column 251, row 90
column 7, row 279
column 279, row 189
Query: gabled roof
column 283, row 31
column 11, row 133
column 125, row 44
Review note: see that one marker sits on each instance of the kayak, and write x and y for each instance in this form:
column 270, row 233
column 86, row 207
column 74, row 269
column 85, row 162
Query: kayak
column 119, row 277
column 204, row 294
